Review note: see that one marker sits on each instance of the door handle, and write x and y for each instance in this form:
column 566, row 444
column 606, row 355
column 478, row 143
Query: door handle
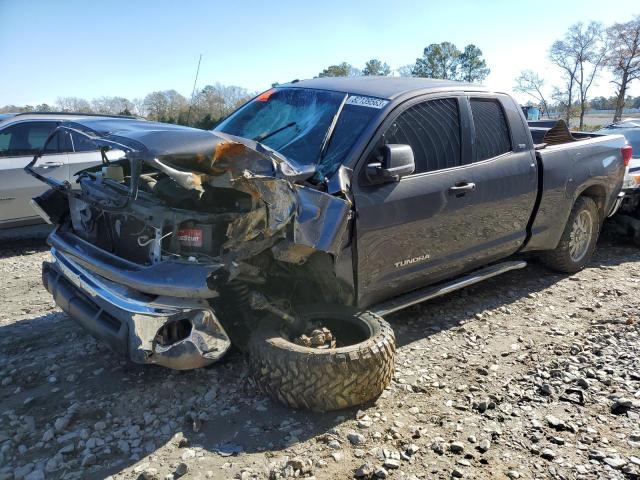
column 462, row 187
column 52, row 164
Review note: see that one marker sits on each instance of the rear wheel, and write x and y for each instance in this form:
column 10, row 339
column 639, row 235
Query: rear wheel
column 578, row 240
column 345, row 358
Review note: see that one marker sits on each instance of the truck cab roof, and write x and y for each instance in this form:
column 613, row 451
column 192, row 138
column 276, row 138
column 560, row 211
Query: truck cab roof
column 384, row 87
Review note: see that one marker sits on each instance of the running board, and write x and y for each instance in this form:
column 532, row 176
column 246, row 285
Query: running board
column 434, row 291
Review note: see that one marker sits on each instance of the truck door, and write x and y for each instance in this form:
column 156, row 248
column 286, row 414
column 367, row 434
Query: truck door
column 19, row 142
column 504, row 172
column 416, row 230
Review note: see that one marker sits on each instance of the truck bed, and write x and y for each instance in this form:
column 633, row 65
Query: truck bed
column 570, row 164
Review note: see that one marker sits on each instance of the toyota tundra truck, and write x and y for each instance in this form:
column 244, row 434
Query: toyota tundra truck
column 310, row 213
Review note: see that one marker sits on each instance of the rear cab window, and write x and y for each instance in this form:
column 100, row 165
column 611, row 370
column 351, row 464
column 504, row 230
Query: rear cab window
column 492, row 137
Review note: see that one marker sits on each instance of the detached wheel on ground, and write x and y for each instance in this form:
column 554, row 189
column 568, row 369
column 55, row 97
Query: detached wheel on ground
column 578, row 240
column 351, row 363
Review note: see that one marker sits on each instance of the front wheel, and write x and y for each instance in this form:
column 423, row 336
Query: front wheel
column 345, row 358
column 578, row 240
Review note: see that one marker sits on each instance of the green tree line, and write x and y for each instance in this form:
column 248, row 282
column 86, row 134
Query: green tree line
column 439, row 60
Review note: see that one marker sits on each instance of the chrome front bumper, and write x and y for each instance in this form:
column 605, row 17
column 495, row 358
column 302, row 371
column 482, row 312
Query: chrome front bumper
column 130, row 322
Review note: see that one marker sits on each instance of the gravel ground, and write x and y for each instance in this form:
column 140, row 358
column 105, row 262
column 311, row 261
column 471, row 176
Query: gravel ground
column 529, row 375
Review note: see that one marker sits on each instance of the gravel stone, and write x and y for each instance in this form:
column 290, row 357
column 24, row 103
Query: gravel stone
column 356, row 438
column 364, row 471
column 456, row 447
column 548, row 454
column 181, row 469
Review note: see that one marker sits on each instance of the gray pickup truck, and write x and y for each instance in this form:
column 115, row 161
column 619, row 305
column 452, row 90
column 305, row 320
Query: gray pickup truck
column 307, row 215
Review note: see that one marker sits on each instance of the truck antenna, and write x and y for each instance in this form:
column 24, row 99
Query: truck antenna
column 193, row 91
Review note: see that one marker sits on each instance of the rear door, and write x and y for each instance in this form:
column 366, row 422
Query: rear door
column 19, row 142
column 504, row 172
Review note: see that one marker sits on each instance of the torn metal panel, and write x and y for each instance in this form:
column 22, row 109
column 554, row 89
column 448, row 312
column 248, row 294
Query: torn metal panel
column 321, row 220
column 277, row 196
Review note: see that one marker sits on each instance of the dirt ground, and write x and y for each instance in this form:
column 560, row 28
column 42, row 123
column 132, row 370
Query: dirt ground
column 529, row 375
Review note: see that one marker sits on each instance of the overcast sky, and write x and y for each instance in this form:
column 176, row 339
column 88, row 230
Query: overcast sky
column 50, row 49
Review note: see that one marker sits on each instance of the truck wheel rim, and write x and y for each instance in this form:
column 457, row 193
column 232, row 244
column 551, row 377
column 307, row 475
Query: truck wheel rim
column 580, row 236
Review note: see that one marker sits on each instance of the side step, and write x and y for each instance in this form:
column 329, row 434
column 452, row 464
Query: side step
column 433, row 291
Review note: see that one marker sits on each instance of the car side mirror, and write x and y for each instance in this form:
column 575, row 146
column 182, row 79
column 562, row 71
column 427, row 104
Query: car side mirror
column 397, row 162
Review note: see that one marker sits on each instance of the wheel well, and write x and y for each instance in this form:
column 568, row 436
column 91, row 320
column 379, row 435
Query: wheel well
column 598, row 194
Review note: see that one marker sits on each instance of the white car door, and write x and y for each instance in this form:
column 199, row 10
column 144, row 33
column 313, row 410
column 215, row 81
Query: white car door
column 18, row 144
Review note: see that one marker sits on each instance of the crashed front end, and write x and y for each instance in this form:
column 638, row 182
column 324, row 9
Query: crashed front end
column 145, row 249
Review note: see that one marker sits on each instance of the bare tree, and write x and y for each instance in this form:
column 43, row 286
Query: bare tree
column 112, row 105
column 73, row 104
column 580, row 54
column 405, row 70
column 165, row 106
column 218, row 100
column 155, row 105
column 623, row 58
column 138, row 107
column 532, row 84
column 558, row 56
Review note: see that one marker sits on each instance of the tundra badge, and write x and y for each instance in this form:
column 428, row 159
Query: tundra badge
column 409, row 261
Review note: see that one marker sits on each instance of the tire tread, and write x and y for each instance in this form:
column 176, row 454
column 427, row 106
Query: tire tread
column 326, row 381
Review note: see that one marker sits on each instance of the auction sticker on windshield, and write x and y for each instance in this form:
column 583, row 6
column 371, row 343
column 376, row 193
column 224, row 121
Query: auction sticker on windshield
column 370, row 102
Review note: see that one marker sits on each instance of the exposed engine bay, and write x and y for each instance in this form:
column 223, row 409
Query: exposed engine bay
column 229, row 205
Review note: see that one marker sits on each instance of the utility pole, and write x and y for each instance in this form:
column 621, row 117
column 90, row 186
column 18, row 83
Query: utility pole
column 193, row 91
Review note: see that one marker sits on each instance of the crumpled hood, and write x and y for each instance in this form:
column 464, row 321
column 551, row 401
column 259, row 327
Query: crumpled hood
column 191, row 149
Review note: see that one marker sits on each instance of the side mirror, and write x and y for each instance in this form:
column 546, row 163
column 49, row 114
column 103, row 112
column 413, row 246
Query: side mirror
column 397, row 161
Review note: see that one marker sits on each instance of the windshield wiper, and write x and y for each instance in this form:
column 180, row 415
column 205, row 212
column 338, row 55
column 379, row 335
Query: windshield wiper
column 264, row 136
column 329, row 134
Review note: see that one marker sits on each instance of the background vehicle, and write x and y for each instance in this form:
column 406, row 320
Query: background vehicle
column 21, row 136
column 364, row 194
column 630, row 128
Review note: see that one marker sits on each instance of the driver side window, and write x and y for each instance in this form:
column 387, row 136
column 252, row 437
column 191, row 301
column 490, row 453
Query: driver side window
column 432, row 129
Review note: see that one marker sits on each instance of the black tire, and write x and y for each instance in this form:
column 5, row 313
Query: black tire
column 324, row 380
column 562, row 259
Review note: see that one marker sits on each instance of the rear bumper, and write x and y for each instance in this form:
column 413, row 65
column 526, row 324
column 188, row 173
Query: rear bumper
column 136, row 324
